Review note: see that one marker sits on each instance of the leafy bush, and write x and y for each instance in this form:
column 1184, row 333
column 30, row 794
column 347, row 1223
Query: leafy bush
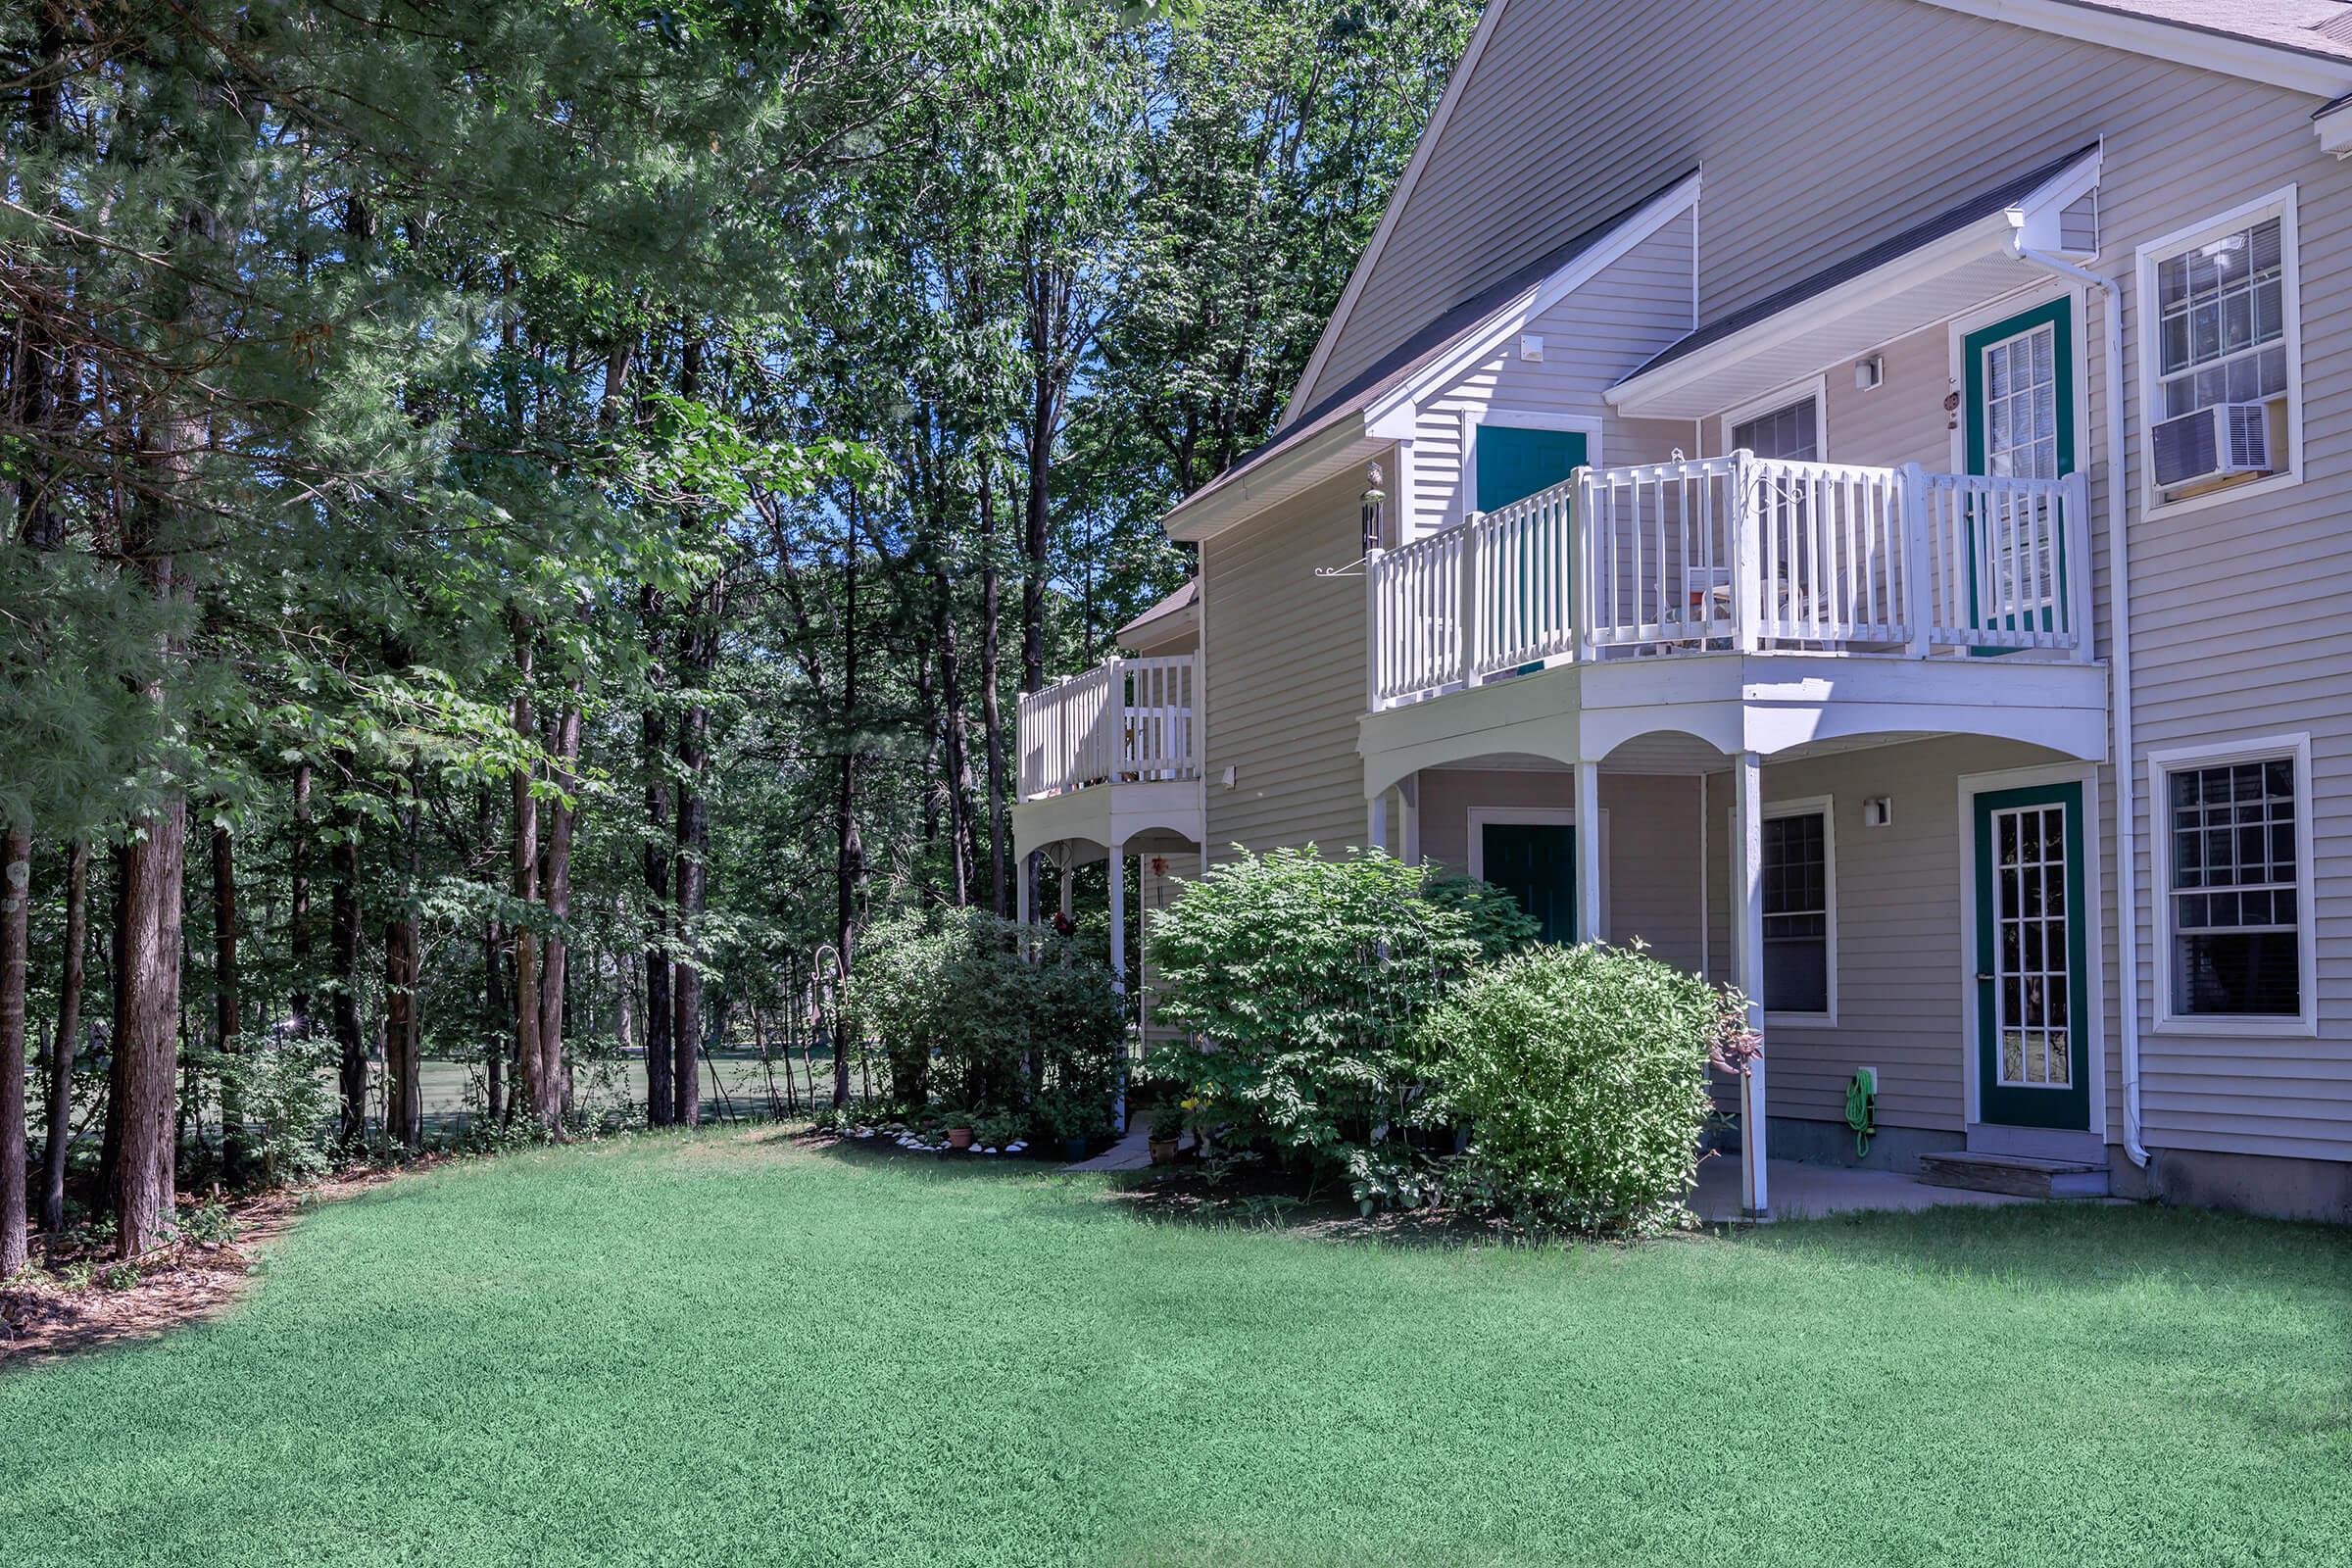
column 1498, row 924
column 286, row 1096
column 964, row 1016
column 1311, row 978
column 1583, row 1073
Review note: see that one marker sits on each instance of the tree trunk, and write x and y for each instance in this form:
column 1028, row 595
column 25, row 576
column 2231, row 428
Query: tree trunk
column 141, row 1094
column 954, row 770
column 555, row 883
column 850, row 866
column 404, row 1089
column 659, row 1105
column 15, row 924
column 343, row 936
column 298, row 915
column 228, row 1026
column 693, row 844
column 69, row 1027
column 494, row 1005
column 534, row 1088
column 992, row 716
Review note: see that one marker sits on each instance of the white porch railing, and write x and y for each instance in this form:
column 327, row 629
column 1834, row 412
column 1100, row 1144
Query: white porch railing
column 1735, row 553
column 1124, row 720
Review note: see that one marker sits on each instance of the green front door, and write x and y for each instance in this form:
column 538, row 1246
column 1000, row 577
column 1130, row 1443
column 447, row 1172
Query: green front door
column 2020, row 399
column 1534, row 862
column 1513, row 463
column 2033, row 966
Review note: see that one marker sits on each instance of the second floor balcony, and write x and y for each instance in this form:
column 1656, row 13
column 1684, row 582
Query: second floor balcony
column 1124, row 722
column 1736, row 555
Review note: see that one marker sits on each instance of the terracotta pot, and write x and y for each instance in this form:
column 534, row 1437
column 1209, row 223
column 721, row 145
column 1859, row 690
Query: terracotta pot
column 959, row 1138
column 1163, row 1150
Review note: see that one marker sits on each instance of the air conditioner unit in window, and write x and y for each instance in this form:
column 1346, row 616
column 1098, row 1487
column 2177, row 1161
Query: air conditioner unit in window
column 2214, row 443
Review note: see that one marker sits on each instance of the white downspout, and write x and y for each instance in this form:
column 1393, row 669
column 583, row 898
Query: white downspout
column 2127, row 810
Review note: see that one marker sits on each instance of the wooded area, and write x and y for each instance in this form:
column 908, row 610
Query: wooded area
column 526, row 522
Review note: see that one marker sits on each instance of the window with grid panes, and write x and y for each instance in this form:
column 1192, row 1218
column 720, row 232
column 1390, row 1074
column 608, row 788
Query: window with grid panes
column 2221, row 322
column 2235, row 906
column 1796, row 913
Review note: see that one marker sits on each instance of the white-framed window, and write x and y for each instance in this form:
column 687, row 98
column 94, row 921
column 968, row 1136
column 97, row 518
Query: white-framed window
column 2233, row 879
column 2220, row 328
column 1786, row 424
column 1800, row 908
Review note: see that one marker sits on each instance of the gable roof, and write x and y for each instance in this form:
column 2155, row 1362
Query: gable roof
column 1493, row 310
column 2304, row 45
column 1891, row 251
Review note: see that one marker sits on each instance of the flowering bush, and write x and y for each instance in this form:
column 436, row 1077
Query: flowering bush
column 1582, row 1074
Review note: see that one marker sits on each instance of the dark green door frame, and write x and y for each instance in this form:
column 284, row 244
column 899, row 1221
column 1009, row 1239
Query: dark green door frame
column 2059, row 316
column 2014, row 919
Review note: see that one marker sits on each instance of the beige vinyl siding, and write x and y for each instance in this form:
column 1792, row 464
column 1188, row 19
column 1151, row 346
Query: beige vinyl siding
column 1653, row 843
column 1285, row 675
column 2242, row 609
column 1592, row 338
column 1900, row 947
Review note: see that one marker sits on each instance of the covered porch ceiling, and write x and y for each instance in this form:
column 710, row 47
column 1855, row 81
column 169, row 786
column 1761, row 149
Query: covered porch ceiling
column 1930, row 272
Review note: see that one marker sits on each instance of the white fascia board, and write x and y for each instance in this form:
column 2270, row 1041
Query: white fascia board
column 2334, row 127
column 1987, row 234
column 2247, row 59
column 1209, row 512
column 2040, row 216
column 1422, row 149
column 1392, row 412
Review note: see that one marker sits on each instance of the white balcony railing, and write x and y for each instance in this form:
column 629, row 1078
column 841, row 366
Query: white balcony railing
column 1735, row 553
column 1126, row 720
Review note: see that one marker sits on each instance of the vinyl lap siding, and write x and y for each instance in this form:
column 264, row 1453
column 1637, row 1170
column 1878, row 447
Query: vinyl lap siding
column 1285, row 675
column 2242, row 611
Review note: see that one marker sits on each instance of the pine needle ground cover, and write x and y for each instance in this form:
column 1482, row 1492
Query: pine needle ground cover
column 729, row 1349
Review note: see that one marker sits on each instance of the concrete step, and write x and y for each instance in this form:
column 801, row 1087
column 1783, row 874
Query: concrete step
column 2020, row 1174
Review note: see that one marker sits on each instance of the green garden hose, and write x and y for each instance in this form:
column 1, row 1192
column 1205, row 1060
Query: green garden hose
column 1859, row 1104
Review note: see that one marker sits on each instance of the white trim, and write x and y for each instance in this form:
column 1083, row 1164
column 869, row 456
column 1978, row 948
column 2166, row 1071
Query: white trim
column 2334, row 127
column 2095, row 940
column 1824, row 806
column 2280, row 204
column 1509, row 319
column 1456, row 82
column 1815, row 387
column 2207, row 49
column 2296, row 747
column 1536, row 815
column 1992, row 313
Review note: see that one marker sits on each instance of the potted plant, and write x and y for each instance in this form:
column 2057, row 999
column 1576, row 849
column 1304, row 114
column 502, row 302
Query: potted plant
column 1167, row 1131
column 1071, row 1118
column 957, row 1124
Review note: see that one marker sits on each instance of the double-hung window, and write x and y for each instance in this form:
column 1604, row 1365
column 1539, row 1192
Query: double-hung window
column 1799, row 909
column 2234, row 857
column 2223, row 333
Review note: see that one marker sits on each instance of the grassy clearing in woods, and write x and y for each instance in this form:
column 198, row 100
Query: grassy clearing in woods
column 731, row 1349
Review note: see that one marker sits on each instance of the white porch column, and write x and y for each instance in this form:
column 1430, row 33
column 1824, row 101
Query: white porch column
column 1376, row 820
column 1020, row 889
column 1748, row 930
column 1118, row 970
column 1587, row 853
column 1408, row 813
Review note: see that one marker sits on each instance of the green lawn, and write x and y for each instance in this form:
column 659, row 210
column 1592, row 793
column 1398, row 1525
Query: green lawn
column 728, row 1349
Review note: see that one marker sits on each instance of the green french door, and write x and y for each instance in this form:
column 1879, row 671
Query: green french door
column 1513, row 464
column 2020, row 376
column 2033, row 960
column 1534, row 862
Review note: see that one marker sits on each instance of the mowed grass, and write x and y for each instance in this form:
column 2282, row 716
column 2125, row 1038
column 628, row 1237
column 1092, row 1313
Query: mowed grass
column 727, row 1349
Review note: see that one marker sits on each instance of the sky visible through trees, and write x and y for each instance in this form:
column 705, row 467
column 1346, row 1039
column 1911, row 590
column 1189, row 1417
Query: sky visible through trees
column 523, row 525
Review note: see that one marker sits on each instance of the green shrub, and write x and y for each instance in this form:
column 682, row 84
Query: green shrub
column 1311, row 977
column 1582, row 1074
column 964, row 1016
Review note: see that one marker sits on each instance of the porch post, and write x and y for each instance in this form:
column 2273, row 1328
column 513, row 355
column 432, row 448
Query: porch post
column 1408, row 813
column 1587, row 853
column 1376, row 821
column 1118, row 971
column 1020, row 889
column 1756, row 1198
